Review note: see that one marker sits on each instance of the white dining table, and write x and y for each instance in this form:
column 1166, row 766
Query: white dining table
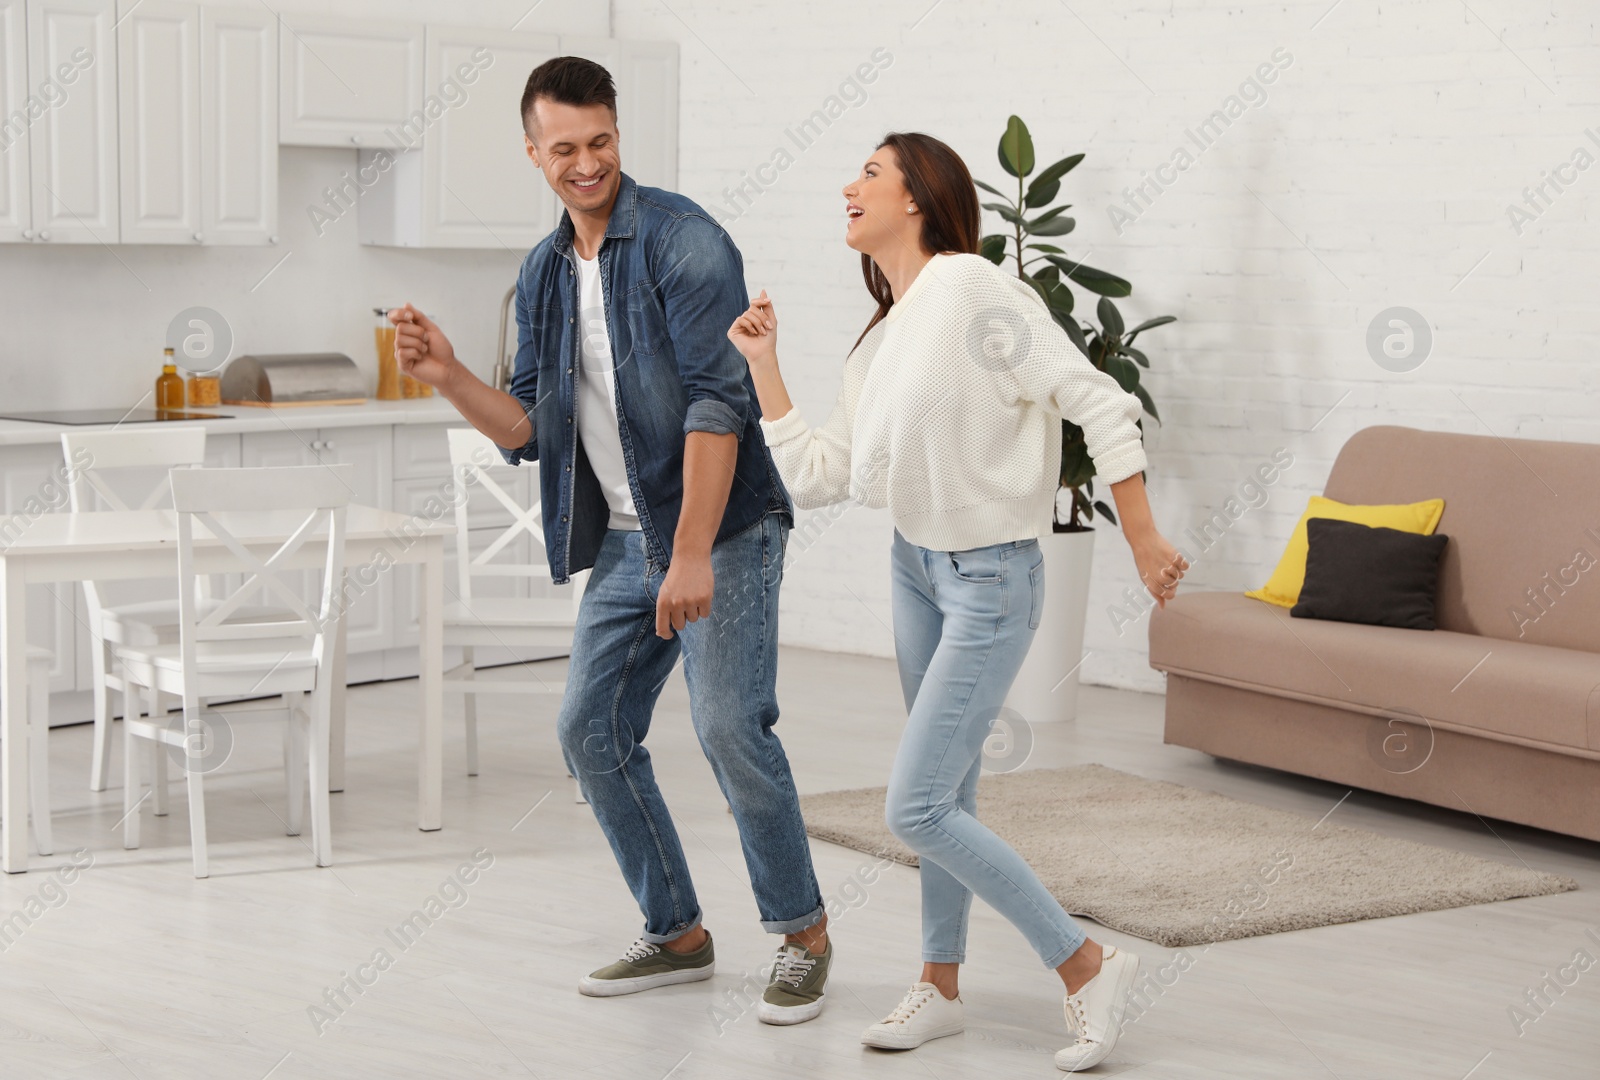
column 107, row 545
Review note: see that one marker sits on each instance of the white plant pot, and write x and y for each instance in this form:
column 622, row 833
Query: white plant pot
column 1046, row 690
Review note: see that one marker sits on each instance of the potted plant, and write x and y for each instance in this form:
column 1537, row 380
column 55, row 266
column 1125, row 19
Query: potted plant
column 1047, row 687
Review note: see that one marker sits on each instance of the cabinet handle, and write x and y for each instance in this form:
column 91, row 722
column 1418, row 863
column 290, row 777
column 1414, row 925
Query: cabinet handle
column 27, row 234
column 356, row 139
column 44, row 234
column 199, row 238
column 327, row 444
column 272, row 239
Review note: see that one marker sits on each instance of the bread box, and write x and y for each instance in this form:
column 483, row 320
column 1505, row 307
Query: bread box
column 285, row 379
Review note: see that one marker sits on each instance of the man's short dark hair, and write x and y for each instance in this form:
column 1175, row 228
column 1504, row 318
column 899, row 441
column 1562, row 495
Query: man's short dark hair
column 569, row 80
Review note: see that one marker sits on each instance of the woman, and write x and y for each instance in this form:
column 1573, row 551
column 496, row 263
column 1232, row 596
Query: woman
column 949, row 417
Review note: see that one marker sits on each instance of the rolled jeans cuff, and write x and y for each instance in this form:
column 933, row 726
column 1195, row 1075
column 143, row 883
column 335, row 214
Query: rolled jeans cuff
column 662, row 939
column 944, row 958
column 794, row 926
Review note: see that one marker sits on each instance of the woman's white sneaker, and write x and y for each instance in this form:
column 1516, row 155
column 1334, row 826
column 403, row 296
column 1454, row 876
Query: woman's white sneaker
column 1095, row 1012
column 922, row 1014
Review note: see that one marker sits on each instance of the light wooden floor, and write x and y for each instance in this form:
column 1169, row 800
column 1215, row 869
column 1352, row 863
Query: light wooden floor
column 138, row 970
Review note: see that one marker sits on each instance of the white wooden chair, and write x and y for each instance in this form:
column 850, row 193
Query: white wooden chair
column 475, row 621
column 122, row 612
column 288, row 651
column 37, row 732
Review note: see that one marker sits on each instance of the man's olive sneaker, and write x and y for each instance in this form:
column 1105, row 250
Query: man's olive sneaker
column 645, row 966
column 795, row 993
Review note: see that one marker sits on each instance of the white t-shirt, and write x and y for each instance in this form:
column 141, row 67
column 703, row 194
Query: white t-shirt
column 597, row 400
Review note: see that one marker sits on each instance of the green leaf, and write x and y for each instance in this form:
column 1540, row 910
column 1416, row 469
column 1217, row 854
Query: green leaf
column 1050, row 248
column 1005, row 211
column 993, row 248
column 1159, row 320
column 1139, row 357
column 1076, row 465
column 1126, row 374
column 1149, row 406
column 1038, row 287
column 1058, row 296
column 1106, row 510
column 1054, row 227
column 993, row 190
column 1075, row 332
column 1016, row 148
column 1082, row 504
column 1110, row 317
column 1096, row 281
column 1048, row 183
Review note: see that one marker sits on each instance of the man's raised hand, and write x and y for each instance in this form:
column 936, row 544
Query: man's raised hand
column 420, row 346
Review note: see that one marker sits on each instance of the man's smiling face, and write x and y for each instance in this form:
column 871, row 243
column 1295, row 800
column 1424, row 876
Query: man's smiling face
column 577, row 148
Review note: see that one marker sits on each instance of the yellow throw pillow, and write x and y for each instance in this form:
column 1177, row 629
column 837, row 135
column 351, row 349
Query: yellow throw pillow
column 1284, row 587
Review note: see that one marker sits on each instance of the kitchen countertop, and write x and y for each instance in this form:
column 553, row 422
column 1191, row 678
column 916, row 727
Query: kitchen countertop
column 242, row 418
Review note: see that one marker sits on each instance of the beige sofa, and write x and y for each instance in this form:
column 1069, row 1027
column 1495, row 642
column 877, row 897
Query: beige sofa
column 1494, row 713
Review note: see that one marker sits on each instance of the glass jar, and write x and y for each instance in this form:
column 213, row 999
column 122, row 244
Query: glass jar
column 389, row 378
column 205, row 389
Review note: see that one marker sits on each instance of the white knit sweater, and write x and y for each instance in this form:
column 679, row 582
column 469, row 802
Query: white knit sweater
column 949, row 414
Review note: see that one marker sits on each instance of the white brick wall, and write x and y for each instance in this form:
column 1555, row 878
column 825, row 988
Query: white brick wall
column 1390, row 147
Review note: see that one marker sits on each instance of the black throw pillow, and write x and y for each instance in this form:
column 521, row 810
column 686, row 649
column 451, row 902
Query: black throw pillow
column 1369, row 574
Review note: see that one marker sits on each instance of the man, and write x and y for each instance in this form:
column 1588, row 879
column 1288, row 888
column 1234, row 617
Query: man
column 653, row 471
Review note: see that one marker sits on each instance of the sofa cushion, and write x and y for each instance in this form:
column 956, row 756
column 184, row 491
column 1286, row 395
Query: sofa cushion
column 1283, row 588
column 1536, row 695
column 1369, row 574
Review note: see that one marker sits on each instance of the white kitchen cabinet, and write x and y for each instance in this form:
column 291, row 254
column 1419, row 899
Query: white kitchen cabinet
column 470, row 185
column 72, row 145
column 347, row 82
column 197, row 107
column 158, row 120
column 479, row 188
column 646, row 74
column 238, row 125
column 16, row 214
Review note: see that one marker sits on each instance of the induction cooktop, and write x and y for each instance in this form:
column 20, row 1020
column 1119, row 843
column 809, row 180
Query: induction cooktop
column 111, row 416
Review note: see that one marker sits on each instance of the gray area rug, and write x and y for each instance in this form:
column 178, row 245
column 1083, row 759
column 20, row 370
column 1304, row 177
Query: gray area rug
column 1179, row 866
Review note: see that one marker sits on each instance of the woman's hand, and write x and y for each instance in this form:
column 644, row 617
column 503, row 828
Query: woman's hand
column 755, row 333
column 1160, row 565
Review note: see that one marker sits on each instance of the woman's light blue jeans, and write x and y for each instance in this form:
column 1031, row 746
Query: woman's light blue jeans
column 963, row 621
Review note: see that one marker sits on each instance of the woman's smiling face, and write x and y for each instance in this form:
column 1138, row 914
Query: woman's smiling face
column 875, row 202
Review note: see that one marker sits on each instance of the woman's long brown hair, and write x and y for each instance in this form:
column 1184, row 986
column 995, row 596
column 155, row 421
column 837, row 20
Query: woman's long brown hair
column 942, row 188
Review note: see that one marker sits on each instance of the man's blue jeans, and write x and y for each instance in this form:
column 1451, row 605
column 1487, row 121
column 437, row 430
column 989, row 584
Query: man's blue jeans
column 730, row 664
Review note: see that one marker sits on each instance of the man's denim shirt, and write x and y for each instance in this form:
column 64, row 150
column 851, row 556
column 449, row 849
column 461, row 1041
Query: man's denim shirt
column 674, row 283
